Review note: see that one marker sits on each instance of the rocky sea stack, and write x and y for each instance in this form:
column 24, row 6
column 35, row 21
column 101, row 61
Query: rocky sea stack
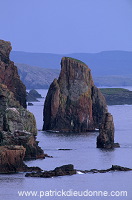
column 74, row 103
column 17, row 125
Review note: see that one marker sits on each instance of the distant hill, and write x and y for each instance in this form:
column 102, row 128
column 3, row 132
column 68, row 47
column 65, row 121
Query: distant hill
column 107, row 63
column 38, row 77
column 117, row 96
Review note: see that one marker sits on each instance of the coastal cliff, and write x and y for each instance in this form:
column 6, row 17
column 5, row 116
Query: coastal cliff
column 17, row 125
column 9, row 74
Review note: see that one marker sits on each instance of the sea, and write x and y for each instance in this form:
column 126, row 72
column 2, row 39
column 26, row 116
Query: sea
column 84, row 156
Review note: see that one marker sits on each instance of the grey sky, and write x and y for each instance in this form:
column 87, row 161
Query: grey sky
column 67, row 26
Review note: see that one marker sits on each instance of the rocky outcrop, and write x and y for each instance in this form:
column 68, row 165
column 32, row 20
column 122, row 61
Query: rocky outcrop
column 32, row 96
column 11, row 160
column 9, row 74
column 25, row 139
column 114, row 168
column 69, row 170
column 73, row 103
column 58, row 171
column 17, row 125
column 106, row 133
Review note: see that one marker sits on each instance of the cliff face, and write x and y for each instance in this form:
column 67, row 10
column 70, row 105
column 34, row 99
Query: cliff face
column 73, row 103
column 11, row 159
column 9, row 74
column 17, row 125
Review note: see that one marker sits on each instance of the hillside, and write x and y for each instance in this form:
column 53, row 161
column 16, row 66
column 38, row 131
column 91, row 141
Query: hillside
column 38, row 77
column 117, row 96
column 107, row 63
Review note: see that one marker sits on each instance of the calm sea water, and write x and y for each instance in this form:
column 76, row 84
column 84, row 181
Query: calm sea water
column 84, row 155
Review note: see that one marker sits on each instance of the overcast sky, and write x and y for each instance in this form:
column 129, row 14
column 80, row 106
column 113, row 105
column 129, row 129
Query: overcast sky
column 67, row 26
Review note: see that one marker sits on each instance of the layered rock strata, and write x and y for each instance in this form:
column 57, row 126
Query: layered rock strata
column 11, row 160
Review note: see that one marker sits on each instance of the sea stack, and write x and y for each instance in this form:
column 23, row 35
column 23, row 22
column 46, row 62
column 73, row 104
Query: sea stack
column 74, row 104
column 106, row 133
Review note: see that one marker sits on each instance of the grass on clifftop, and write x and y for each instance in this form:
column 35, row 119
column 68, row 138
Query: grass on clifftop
column 77, row 60
column 112, row 91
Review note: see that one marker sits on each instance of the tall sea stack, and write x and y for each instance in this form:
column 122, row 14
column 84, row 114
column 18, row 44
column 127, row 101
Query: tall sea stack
column 74, row 103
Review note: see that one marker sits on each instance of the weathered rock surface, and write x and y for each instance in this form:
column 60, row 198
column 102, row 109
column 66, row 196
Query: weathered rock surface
column 106, row 133
column 69, row 170
column 58, row 171
column 73, row 103
column 17, row 125
column 9, row 74
column 11, row 160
